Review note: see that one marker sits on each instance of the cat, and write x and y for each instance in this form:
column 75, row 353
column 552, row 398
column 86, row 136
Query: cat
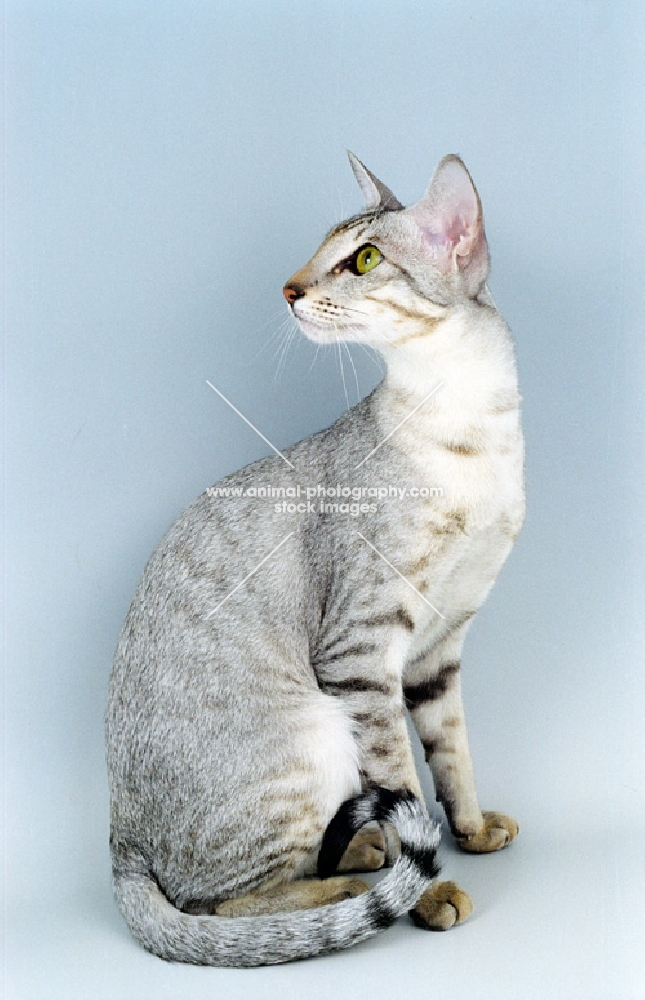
column 256, row 730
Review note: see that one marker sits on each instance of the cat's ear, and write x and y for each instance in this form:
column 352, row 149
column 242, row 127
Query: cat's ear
column 376, row 194
column 452, row 225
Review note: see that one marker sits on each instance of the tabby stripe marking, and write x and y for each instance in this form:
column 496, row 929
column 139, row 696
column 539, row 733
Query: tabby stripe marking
column 380, row 914
column 412, row 281
column 398, row 617
column 420, row 656
column 431, row 689
column 358, row 684
column 424, row 858
column 432, row 321
column 346, row 632
column 464, row 617
column 359, row 649
column 439, row 745
column 452, row 626
column 420, row 564
column 343, row 227
column 432, row 325
column 368, row 719
column 461, row 449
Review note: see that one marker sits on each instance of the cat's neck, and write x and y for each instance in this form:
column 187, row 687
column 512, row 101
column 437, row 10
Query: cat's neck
column 464, row 366
column 460, row 380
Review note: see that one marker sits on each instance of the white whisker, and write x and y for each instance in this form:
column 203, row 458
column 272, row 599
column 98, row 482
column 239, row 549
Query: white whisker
column 342, row 369
column 351, row 361
column 283, row 349
column 314, row 359
column 372, row 354
column 279, row 332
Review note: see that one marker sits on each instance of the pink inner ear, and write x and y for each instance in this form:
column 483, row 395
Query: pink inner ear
column 450, row 226
column 459, row 229
column 448, row 213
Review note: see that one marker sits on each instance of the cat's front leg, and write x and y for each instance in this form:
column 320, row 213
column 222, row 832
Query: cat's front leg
column 385, row 754
column 432, row 689
column 373, row 696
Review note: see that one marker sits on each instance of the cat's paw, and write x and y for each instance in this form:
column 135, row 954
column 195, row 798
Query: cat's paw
column 498, row 831
column 366, row 852
column 442, row 906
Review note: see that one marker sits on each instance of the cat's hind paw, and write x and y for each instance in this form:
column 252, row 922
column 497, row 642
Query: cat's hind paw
column 366, row 852
column 442, row 906
column 497, row 832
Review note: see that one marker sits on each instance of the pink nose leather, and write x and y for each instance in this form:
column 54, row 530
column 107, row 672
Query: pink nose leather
column 290, row 294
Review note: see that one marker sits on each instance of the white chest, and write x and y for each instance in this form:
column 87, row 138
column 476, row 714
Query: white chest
column 459, row 543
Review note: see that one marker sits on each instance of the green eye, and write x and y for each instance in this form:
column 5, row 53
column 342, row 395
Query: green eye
column 367, row 259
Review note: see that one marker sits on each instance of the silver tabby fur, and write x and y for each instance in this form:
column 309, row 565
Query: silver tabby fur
column 239, row 722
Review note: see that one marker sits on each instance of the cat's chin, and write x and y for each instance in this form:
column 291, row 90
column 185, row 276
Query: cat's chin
column 324, row 334
column 318, row 333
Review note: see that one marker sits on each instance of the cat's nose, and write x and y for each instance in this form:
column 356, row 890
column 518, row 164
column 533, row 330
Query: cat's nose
column 292, row 292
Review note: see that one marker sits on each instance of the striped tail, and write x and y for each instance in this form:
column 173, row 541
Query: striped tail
column 285, row 937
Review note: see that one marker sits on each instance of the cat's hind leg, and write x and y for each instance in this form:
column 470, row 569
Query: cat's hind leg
column 303, row 894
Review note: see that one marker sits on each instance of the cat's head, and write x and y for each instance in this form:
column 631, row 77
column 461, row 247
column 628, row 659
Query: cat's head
column 392, row 270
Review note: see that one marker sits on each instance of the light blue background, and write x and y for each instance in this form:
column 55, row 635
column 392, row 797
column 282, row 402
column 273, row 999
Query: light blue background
column 169, row 165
